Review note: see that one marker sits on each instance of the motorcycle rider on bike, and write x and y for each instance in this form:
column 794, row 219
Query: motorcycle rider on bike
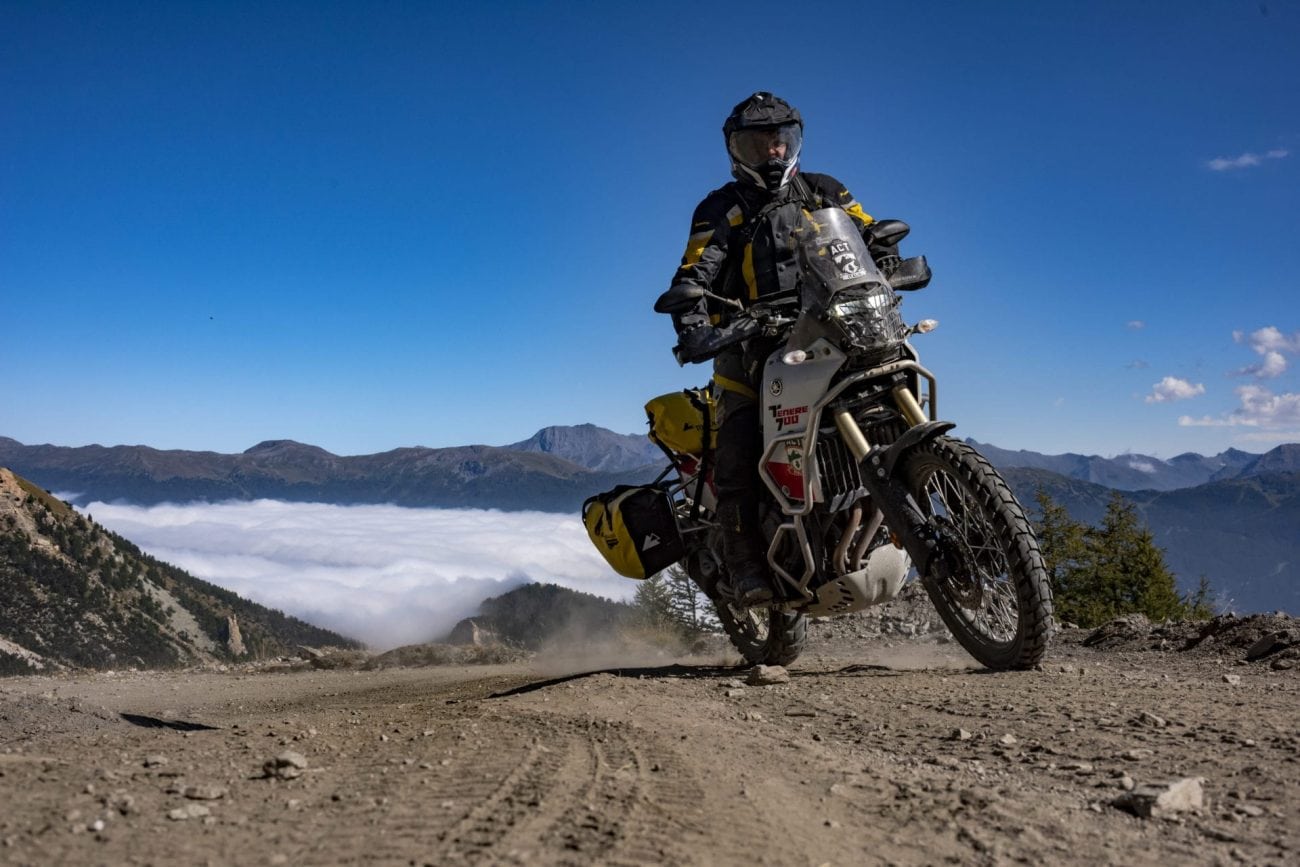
column 739, row 248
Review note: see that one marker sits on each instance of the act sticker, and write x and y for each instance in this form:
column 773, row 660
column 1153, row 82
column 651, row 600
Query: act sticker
column 846, row 260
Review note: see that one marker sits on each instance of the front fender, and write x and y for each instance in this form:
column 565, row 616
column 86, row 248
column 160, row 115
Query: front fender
column 913, row 437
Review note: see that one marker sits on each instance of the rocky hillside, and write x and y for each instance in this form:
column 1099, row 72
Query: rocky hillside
column 537, row 615
column 73, row 595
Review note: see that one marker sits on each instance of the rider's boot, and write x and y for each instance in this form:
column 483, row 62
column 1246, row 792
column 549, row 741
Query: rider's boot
column 743, row 553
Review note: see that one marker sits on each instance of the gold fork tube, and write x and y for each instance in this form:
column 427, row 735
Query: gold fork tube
column 852, row 434
column 908, row 405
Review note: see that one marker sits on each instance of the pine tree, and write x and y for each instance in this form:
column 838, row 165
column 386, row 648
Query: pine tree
column 690, row 607
column 1130, row 572
column 1103, row 572
column 653, row 602
column 1065, row 553
column 671, row 600
column 1199, row 603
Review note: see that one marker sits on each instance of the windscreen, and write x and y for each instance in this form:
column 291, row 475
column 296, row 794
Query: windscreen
column 834, row 256
column 843, row 296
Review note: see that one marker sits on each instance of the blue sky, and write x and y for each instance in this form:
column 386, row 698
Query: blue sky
column 373, row 225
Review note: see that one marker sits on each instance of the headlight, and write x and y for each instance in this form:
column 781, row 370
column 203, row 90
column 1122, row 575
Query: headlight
column 869, row 319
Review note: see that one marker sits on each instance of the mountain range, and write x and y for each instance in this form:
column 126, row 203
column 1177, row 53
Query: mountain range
column 1136, row 472
column 593, row 447
column 1233, row 517
column 554, row 471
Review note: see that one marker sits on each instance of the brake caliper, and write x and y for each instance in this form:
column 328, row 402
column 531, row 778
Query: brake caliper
column 956, row 564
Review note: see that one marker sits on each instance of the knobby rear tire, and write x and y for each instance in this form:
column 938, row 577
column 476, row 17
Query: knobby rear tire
column 951, row 479
column 762, row 636
column 779, row 644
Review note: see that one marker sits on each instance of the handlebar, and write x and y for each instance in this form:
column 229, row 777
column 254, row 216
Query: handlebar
column 773, row 315
column 767, row 319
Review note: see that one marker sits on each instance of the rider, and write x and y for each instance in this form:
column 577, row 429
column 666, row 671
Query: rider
column 739, row 249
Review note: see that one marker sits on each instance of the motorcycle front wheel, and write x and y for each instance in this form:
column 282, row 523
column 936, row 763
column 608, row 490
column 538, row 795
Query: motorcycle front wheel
column 996, row 601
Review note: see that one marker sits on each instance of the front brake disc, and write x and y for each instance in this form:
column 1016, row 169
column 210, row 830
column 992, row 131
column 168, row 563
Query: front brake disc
column 962, row 580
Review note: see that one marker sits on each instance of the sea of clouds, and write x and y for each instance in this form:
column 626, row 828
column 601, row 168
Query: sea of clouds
column 385, row 575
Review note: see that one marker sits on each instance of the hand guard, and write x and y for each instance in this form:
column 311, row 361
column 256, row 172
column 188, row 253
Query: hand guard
column 695, row 344
column 702, row 342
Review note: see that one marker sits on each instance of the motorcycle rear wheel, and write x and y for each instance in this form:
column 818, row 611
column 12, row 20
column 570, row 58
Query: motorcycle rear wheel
column 998, row 605
column 764, row 636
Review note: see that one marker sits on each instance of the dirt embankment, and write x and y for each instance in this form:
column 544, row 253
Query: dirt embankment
column 880, row 750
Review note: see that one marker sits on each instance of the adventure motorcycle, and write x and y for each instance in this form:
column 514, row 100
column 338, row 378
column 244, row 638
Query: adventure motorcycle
column 862, row 482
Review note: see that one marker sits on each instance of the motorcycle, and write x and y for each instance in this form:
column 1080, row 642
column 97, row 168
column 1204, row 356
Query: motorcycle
column 861, row 480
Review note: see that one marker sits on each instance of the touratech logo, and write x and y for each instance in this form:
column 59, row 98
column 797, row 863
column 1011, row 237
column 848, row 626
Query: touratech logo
column 786, row 416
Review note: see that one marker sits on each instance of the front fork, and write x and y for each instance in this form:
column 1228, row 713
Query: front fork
column 918, row 535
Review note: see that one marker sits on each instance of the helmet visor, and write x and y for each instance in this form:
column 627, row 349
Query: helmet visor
column 754, row 147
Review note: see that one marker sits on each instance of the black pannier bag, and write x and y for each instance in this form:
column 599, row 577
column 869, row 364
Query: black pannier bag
column 635, row 529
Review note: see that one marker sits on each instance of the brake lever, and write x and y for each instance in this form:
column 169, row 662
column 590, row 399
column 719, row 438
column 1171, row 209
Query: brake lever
column 725, row 302
column 769, row 319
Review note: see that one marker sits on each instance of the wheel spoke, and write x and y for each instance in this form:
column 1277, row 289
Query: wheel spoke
column 997, row 615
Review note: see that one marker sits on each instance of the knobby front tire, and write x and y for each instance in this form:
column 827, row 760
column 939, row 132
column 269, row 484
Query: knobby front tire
column 999, row 605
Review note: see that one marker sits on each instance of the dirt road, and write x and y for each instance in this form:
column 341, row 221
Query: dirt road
column 869, row 754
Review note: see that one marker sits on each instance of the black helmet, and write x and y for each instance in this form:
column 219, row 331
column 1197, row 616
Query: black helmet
column 764, row 134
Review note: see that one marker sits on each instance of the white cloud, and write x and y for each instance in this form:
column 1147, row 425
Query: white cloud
column 1265, row 409
column 1171, row 388
column 1260, row 408
column 1135, row 325
column 1203, row 421
column 382, row 574
column 1246, row 160
column 1137, row 364
column 1141, row 466
column 1273, row 346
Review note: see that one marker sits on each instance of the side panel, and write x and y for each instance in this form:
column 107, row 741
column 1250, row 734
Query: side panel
column 789, row 392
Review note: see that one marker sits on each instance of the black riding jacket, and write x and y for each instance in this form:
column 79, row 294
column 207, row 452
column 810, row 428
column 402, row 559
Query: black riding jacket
column 739, row 246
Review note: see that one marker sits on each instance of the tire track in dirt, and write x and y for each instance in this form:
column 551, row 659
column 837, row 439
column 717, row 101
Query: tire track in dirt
column 516, row 789
column 585, row 793
column 487, row 824
column 630, row 809
column 676, row 790
column 649, row 799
